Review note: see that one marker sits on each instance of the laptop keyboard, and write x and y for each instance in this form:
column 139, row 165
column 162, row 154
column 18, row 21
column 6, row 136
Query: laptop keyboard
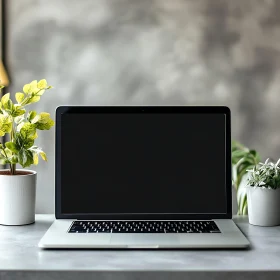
column 144, row 227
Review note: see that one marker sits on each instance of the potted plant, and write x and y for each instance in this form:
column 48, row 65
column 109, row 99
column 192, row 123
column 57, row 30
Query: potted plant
column 18, row 186
column 263, row 194
column 243, row 159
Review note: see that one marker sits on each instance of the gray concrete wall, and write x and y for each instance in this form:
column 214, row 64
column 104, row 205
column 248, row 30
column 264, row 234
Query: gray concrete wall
column 203, row 52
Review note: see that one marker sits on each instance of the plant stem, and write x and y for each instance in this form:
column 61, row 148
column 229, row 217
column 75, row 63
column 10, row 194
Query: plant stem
column 12, row 165
column 13, row 169
column 12, row 133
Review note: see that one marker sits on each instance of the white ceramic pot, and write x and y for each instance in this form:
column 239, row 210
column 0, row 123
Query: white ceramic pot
column 17, row 198
column 263, row 206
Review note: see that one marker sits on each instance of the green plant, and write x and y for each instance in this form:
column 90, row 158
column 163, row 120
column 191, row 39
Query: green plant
column 265, row 175
column 21, row 127
column 243, row 159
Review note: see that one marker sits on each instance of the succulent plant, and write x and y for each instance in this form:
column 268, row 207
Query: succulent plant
column 265, row 175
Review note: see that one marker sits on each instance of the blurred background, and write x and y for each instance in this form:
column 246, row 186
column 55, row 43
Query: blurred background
column 152, row 52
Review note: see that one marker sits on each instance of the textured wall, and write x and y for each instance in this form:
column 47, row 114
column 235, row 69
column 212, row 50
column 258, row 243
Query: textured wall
column 203, row 52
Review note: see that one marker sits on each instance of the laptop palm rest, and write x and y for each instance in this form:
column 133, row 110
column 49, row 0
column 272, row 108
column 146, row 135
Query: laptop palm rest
column 144, row 240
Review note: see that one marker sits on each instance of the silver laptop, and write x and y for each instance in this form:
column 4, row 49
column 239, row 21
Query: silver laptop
column 143, row 177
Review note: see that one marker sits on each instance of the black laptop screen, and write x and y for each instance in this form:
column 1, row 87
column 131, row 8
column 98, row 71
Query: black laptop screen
column 143, row 163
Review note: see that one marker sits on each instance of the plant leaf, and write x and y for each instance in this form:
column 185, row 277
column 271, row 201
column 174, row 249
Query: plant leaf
column 33, row 86
column 40, row 92
column 34, row 99
column 8, row 152
column 28, row 130
column 45, row 122
column 37, row 150
column 12, row 146
column 19, row 97
column 26, row 88
column 14, row 159
column 245, row 206
column 27, row 135
column 5, row 98
column 241, row 196
column 19, row 119
column 31, row 115
column 36, row 119
column 35, row 158
column 25, row 158
column 4, row 161
column 43, row 156
column 9, row 106
column 20, row 125
column 18, row 112
column 42, row 84
column 243, row 159
column 5, row 124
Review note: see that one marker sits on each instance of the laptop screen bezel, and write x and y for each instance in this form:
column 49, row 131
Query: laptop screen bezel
column 143, row 109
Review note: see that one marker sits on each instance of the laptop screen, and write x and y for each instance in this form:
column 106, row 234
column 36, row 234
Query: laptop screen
column 143, row 163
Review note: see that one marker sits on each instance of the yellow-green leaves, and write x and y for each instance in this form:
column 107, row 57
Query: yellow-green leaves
column 30, row 88
column 43, row 121
column 6, row 155
column 25, row 158
column 19, row 120
column 3, row 159
column 5, row 98
column 26, row 88
column 28, row 134
column 7, row 104
column 43, row 156
column 38, row 151
column 36, row 87
column 8, row 108
column 33, row 86
column 12, row 146
column 34, row 91
column 19, row 97
column 6, row 124
column 17, row 111
column 31, row 115
column 23, row 128
column 28, row 130
column 34, row 99
column 35, row 158
column 6, row 152
column 24, row 139
column 42, row 84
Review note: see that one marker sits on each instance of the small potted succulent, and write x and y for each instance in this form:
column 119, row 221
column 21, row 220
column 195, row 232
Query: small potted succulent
column 18, row 186
column 263, row 194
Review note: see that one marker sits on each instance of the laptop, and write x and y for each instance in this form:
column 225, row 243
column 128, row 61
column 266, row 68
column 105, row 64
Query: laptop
column 143, row 177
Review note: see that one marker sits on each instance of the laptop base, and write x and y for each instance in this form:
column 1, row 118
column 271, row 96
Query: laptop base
column 58, row 237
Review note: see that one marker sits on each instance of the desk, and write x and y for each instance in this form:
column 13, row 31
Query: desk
column 20, row 258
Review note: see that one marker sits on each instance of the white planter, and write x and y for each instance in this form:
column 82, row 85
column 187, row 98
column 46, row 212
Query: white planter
column 263, row 206
column 17, row 198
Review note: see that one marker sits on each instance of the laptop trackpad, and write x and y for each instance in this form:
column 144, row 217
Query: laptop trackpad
column 143, row 239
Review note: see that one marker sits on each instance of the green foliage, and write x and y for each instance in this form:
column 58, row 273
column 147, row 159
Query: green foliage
column 242, row 159
column 6, row 124
column 23, row 127
column 265, row 175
